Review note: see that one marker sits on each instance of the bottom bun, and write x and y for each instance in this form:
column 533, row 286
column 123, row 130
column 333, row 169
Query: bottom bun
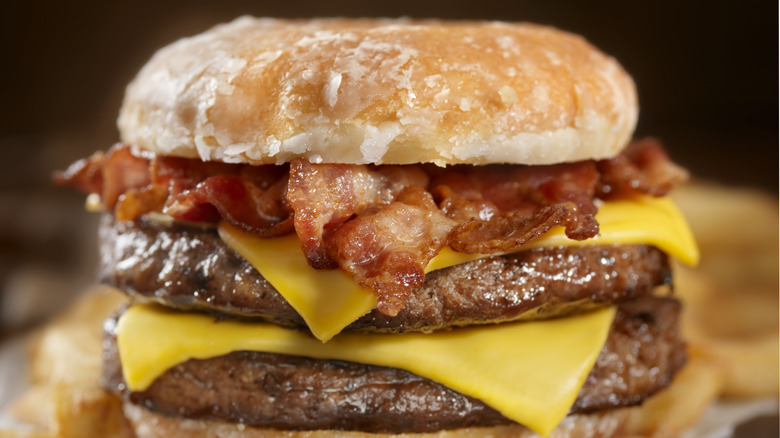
column 151, row 425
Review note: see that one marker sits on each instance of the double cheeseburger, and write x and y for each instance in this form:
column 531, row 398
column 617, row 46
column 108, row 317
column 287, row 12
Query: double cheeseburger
column 354, row 227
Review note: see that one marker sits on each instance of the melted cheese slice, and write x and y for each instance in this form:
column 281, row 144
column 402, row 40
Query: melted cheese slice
column 328, row 300
column 531, row 372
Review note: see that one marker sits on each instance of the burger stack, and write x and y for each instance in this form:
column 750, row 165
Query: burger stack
column 373, row 227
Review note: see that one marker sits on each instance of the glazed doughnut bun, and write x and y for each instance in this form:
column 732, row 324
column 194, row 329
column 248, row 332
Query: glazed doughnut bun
column 146, row 424
column 381, row 91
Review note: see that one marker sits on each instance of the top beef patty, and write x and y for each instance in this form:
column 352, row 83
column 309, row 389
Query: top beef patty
column 192, row 268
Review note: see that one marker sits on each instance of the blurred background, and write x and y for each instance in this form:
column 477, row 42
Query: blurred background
column 707, row 80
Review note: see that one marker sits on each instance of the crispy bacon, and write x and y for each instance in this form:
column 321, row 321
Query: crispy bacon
column 236, row 200
column 324, row 196
column 381, row 224
column 109, row 174
column 136, row 202
column 133, row 184
column 387, row 248
column 503, row 207
column 643, row 168
column 85, row 174
column 509, row 231
column 250, row 198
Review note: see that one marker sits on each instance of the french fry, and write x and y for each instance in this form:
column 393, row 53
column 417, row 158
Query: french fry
column 750, row 365
column 35, row 407
column 65, row 399
column 25, row 434
column 730, row 219
column 725, row 312
column 88, row 413
column 731, row 298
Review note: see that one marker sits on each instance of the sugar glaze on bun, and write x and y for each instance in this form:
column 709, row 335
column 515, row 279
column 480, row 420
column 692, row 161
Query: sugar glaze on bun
column 381, row 91
column 147, row 424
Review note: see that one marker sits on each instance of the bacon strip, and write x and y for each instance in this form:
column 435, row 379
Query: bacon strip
column 85, row 174
column 509, row 231
column 109, row 174
column 503, row 207
column 387, row 248
column 643, row 168
column 236, row 200
column 248, row 197
column 324, row 196
column 381, row 224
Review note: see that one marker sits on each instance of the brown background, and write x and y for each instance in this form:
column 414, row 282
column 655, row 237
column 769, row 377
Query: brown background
column 707, row 78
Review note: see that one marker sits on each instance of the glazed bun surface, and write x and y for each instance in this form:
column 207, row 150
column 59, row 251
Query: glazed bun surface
column 381, row 91
column 147, row 424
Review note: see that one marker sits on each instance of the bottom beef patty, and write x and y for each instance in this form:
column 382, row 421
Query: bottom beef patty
column 641, row 355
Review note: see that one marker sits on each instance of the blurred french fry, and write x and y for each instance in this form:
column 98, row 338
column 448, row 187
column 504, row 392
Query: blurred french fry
column 725, row 312
column 731, row 299
column 76, row 335
column 35, row 407
column 25, row 434
column 88, row 413
column 729, row 218
column 679, row 406
column 750, row 365
column 65, row 398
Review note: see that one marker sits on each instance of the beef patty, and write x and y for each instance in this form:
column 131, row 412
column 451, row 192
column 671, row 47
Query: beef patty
column 641, row 355
column 191, row 268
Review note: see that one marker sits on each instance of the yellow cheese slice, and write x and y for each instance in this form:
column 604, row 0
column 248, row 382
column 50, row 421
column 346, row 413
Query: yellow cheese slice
column 328, row 300
column 531, row 372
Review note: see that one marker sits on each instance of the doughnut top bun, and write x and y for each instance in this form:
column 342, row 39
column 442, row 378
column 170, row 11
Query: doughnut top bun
column 381, row 91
